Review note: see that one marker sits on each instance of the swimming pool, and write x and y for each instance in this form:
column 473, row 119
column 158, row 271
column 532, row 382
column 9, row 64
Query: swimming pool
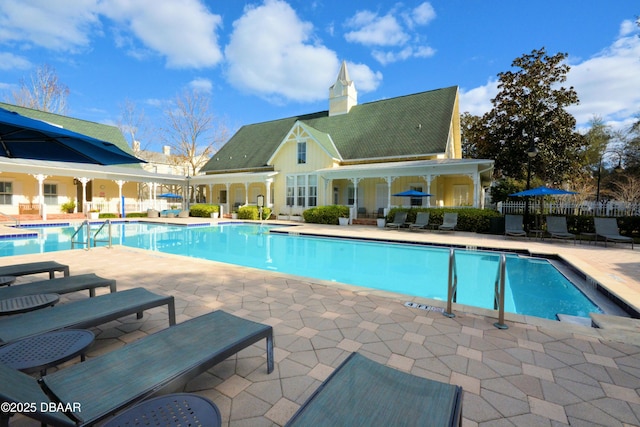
column 533, row 286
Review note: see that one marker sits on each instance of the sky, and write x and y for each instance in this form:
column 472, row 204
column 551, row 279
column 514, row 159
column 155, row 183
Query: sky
column 268, row 59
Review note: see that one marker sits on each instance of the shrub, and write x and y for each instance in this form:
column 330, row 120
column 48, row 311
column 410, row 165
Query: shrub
column 469, row 219
column 107, row 215
column 68, row 207
column 203, row 210
column 253, row 212
column 325, row 214
column 136, row 215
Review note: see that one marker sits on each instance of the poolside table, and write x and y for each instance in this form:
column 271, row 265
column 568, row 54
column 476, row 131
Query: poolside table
column 39, row 352
column 26, row 303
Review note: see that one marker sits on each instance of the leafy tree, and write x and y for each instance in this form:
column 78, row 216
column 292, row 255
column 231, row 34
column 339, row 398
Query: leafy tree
column 530, row 110
column 470, row 125
column 43, row 92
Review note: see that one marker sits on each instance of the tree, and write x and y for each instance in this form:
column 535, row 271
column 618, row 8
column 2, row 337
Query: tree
column 44, row 92
column 530, row 110
column 470, row 126
column 132, row 122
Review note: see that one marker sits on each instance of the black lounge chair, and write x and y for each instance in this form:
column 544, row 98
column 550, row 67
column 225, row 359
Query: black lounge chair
column 607, row 228
column 84, row 313
column 60, row 285
column 557, row 228
column 449, row 222
column 513, row 226
column 105, row 384
column 399, row 220
column 422, row 221
column 34, row 268
column 361, row 392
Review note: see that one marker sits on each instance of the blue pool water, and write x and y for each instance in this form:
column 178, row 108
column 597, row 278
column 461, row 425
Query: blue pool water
column 533, row 286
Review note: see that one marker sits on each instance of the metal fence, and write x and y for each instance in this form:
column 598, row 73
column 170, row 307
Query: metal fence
column 537, row 206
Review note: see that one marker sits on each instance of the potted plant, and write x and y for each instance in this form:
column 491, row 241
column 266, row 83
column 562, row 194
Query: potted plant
column 343, row 219
column 283, row 216
column 68, row 207
column 234, row 215
column 94, row 214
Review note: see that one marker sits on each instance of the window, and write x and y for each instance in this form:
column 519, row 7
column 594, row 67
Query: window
column 302, row 190
column 6, row 193
column 302, row 152
column 416, row 201
column 50, row 194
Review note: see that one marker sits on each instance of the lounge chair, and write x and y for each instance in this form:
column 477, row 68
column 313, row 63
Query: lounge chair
column 60, row 285
column 361, row 392
column 449, row 222
column 34, row 268
column 557, row 228
column 399, row 220
column 607, row 228
column 103, row 385
column 422, row 221
column 84, row 313
column 513, row 226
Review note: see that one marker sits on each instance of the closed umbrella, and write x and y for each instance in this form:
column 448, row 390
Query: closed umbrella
column 26, row 138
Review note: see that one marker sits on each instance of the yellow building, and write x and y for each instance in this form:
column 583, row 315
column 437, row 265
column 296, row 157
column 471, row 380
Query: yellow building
column 356, row 155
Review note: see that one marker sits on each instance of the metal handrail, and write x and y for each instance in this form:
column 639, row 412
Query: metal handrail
column 87, row 243
column 95, row 235
column 452, row 284
column 498, row 296
column 17, row 220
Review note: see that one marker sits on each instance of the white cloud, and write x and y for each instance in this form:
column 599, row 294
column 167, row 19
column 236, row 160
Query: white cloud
column 9, row 61
column 374, row 30
column 392, row 39
column 288, row 63
column 364, row 78
column 201, row 85
column 62, row 25
column 607, row 83
column 183, row 31
column 477, row 101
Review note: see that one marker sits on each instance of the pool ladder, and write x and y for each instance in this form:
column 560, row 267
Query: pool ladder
column 87, row 243
column 498, row 295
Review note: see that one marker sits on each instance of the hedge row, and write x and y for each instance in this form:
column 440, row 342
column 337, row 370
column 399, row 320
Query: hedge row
column 253, row 212
column 325, row 214
column 469, row 219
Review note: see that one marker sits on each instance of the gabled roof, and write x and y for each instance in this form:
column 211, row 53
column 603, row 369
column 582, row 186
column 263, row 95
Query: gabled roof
column 96, row 130
column 415, row 125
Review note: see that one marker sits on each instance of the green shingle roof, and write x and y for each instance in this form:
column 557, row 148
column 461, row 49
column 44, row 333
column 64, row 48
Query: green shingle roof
column 96, row 130
column 406, row 126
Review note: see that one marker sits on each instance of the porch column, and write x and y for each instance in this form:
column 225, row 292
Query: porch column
column 40, row 177
column 427, row 178
column 228, row 197
column 84, row 182
column 389, row 180
column 120, row 201
column 210, row 193
column 268, row 183
column 476, row 188
column 246, row 193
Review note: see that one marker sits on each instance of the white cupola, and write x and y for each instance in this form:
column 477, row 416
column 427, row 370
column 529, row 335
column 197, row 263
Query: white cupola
column 343, row 94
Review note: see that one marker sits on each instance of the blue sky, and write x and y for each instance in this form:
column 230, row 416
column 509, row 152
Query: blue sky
column 267, row 59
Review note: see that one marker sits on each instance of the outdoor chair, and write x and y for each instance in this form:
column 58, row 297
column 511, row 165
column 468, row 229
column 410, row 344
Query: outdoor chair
column 557, row 228
column 34, row 268
column 399, row 220
column 449, row 222
column 103, row 385
column 60, row 285
column 422, row 221
column 380, row 212
column 607, row 228
column 362, row 212
column 361, row 392
column 84, row 313
column 513, row 226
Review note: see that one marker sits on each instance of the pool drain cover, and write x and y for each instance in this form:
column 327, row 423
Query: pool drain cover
column 423, row 307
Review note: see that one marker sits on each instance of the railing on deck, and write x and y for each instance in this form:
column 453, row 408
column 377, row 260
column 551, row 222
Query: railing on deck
column 452, row 284
column 498, row 296
column 608, row 208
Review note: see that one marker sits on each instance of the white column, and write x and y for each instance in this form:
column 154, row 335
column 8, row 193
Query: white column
column 228, row 185
column 389, row 180
column 84, row 182
column 246, row 193
column 210, row 193
column 427, row 178
column 120, row 201
column 40, row 177
column 267, row 183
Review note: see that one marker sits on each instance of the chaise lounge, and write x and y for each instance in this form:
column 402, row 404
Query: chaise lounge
column 399, row 220
column 422, row 221
column 607, row 228
column 84, row 313
column 557, row 228
column 449, row 222
column 60, row 285
column 361, row 392
column 34, row 268
column 513, row 226
column 161, row 362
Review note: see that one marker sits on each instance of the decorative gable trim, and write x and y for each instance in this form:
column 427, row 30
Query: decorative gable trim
column 302, row 132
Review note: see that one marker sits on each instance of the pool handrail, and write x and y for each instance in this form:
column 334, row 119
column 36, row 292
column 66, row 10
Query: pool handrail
column 85, row 223
column 498, row 296
column 452, row 284
column 95, row 235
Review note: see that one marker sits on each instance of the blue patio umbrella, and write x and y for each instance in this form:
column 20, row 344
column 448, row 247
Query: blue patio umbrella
column 542, row 191
column 170, row 196
column 26, row 138
column 411, row 193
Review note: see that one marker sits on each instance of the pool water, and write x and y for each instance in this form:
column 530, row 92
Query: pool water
column 533, row 286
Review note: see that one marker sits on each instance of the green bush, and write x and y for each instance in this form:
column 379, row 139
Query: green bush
column 325, row 214
column 108, row 215
column 203, row 210
column 136, row 215
column 469, row 219
column 253, row 212
column 68, row 207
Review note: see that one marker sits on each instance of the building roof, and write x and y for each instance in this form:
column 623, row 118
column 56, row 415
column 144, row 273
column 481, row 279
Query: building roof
column 411, row 126
column 95, row 130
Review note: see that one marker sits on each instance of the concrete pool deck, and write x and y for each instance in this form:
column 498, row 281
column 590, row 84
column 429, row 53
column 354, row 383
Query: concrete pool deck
column 538, row 372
